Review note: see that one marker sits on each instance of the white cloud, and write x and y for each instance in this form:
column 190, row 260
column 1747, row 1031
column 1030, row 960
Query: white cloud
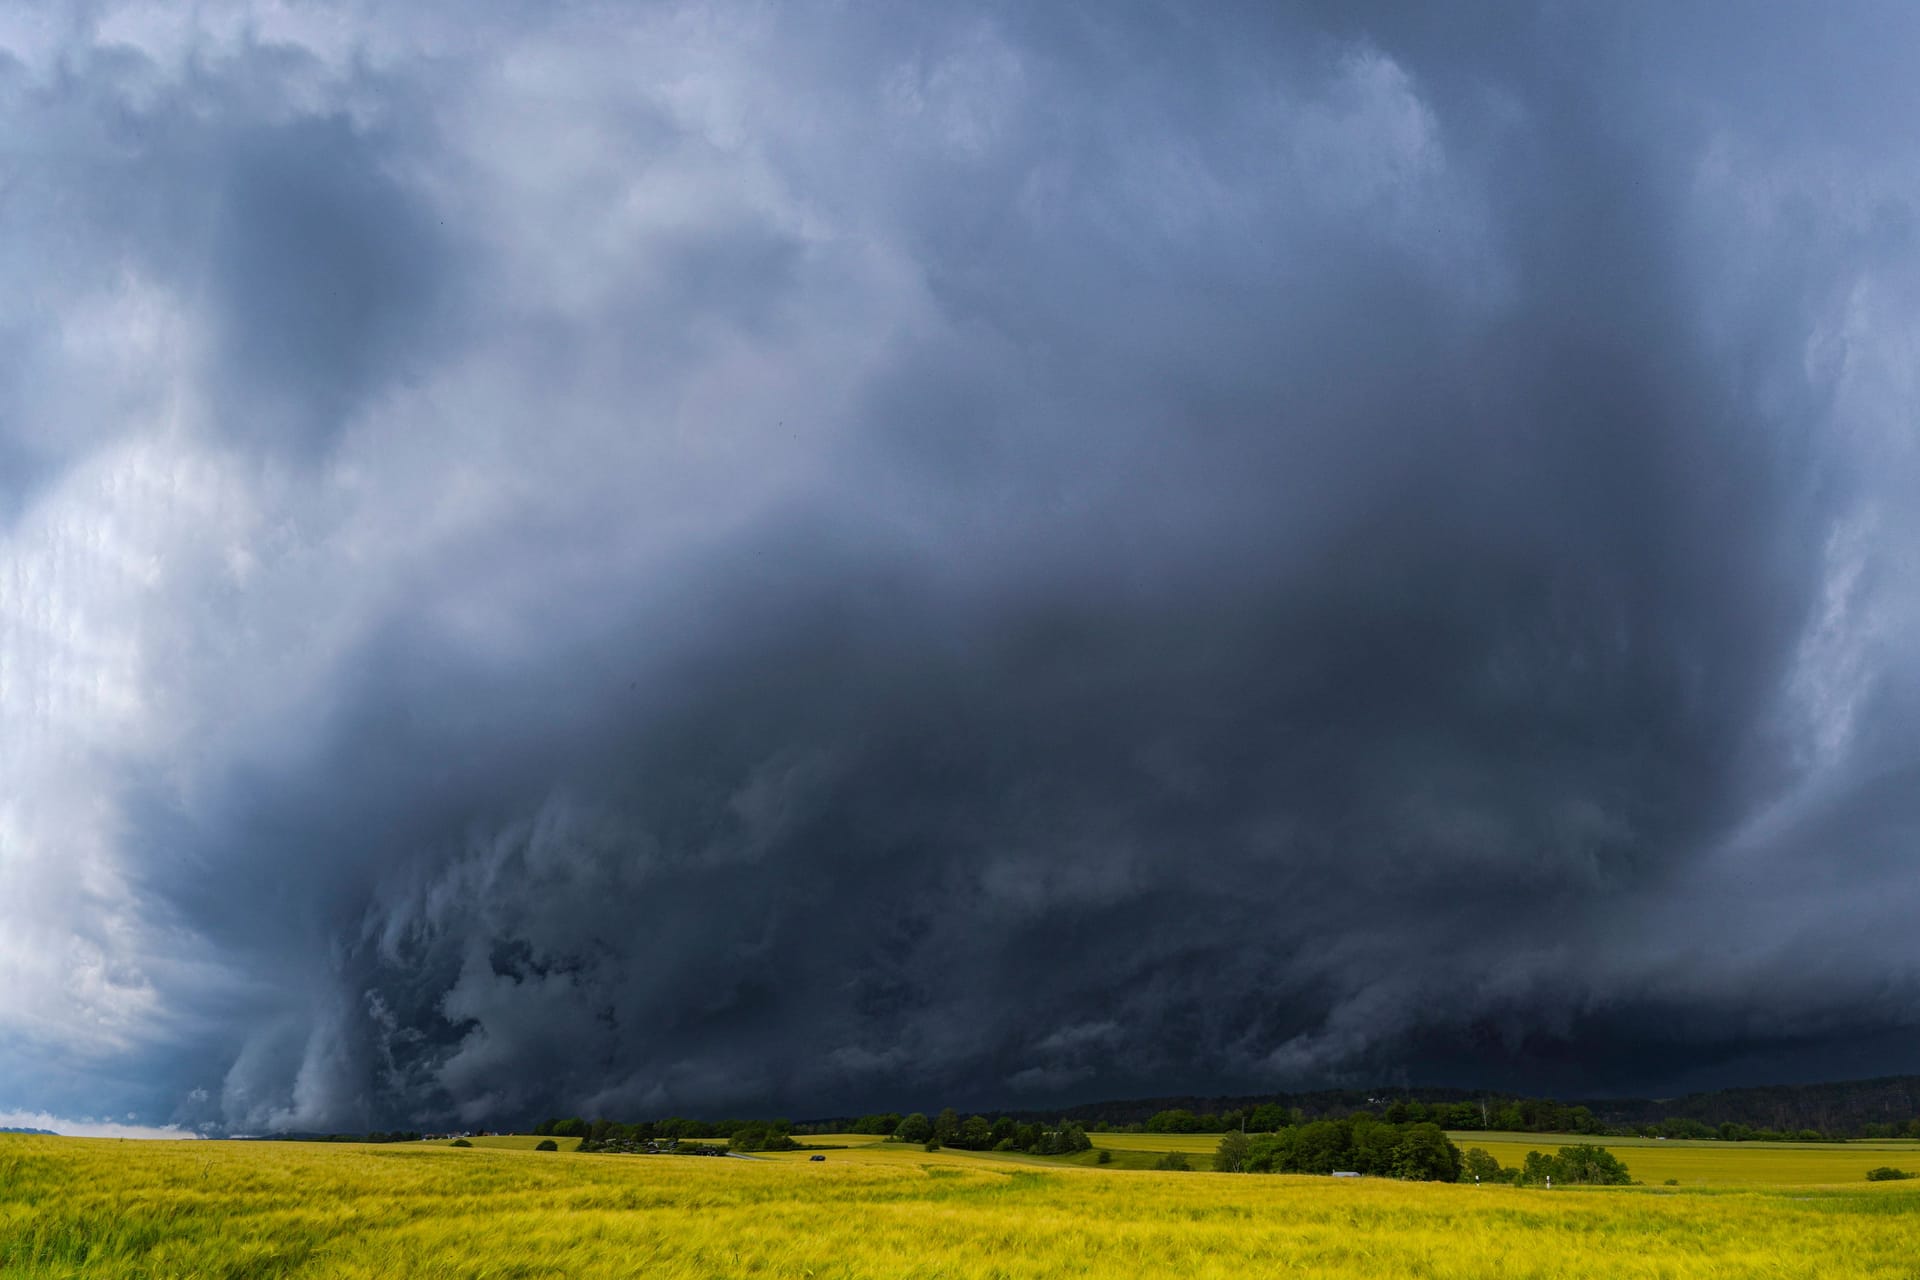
column 88, row 1127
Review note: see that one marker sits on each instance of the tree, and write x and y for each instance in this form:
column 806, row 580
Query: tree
column 915, row 1128
column 1172, row 1160
column 1231, row 1155
column 1589, row 1165
column 946, row 1126
column 976, row 1134
column 1423, row 1154
column 1477, row 1166
column 546, row 1144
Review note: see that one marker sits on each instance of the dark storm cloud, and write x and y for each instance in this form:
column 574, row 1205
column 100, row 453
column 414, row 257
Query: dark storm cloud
column 997, row 557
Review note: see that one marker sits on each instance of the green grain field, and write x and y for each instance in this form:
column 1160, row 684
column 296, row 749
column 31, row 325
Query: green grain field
column 238, row 1210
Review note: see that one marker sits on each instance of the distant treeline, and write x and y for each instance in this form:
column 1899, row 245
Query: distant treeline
column 378, row 1135
column 1525, row 1115
column 1741, row 1115
column 947, row 1129
column 1882, row 1108
column 682, row 1134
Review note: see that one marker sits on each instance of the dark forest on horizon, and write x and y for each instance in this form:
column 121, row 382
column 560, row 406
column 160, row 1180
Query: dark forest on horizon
column 1887, row 1107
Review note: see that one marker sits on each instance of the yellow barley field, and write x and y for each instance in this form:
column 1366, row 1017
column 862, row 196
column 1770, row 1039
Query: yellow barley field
column 1717, row 1164
column 92, row 1208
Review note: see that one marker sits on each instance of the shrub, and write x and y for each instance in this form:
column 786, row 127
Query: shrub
column 1887, row 1173
column 459, row 1142
column 1582, row 1165
column 1477, row 1166
column 546, row 1144
column 1231, row 1155
column 1105, row 1157
column 1172, row 1160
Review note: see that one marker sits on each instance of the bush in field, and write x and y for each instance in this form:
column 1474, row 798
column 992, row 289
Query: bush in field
column 546, row 1144
column 1360, row 1143
column 1172, row 1160
column 1887, row 1173
column 1477, row 1166
column 459, row 1142
column 1231, row 1155
column 1582, row 1165
column 1105, row 1157
column 762, row 1135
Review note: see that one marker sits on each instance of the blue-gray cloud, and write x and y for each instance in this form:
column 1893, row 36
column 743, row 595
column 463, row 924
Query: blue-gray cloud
column 674, row 560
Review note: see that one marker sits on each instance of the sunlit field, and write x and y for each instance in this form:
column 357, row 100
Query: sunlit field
column 74, row 1207
column 1723, row 1164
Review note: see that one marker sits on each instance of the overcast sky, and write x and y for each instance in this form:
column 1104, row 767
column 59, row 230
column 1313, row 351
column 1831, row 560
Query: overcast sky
column 805, row 558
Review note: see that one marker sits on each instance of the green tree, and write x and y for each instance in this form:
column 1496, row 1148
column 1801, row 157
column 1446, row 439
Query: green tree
column 1588, row 1165
column 1423, row 1154
column 1477, row 1166
column 1231, row 1155
column 914, row 1128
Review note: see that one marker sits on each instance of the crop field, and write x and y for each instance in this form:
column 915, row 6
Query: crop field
column 85, row 1208
column 1718, row 1164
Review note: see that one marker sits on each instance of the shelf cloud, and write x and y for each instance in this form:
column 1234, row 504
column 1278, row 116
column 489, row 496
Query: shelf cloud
column 666, row 558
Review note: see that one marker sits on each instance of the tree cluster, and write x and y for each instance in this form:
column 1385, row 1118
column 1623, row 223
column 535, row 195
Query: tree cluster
column 678, row 1136
column 1583, row 1165
column 1360, row 1143
column 978, row 1133
column 1884, row 1108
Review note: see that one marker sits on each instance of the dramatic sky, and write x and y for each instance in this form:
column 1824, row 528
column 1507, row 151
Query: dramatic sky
column 634, row 559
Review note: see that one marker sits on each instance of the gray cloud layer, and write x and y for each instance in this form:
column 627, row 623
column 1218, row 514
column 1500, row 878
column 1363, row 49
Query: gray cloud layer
column 680, row 559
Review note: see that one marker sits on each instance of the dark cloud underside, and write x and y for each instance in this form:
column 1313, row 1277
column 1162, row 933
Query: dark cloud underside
column 806, row 563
